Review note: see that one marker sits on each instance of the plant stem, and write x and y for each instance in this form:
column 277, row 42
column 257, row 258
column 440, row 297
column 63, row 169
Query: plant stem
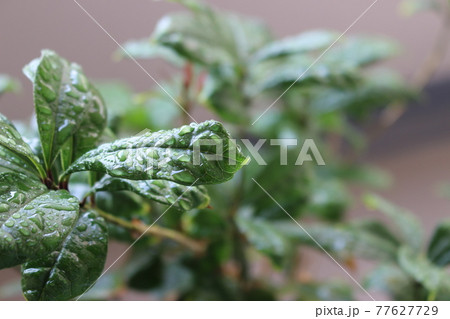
column 142, row 229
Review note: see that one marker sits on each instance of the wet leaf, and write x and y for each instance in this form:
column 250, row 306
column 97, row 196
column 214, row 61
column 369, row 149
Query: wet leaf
column 169, row 155
column 11, row 140
column 67, row 106
column 161, row 191
column 33, row 220
column 70, row 270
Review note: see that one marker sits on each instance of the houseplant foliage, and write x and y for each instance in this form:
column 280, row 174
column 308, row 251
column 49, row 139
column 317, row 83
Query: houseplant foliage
column 106, row 162
column 61, row 240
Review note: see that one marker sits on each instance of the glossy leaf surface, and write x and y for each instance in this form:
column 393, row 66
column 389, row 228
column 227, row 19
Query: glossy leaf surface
column 67, row 106
column 439, row 247
column 10, row 139
column 33, row 220
column 161, row 191
column 168, row 155
column 70, row 270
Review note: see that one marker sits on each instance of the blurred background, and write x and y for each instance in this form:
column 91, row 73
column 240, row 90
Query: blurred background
column 415, row 151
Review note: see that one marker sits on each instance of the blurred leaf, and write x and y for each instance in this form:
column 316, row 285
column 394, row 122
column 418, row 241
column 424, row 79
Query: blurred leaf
column 147, row 49
column 439, row 247
column 282, row 72
column 164, row 192
column 302, row 43
column 361, row 51
column 328, row 200
column 411, row 7
column 210, row 37
column 340, row 240
column 205, row 224
column 148, row 274
column 375, row 228
column 364, row 174
column 325, row 291
column 226, row 99
column 408, row 228
column 392, row 280
column 264, row 237
column 374, row 91
column 8, row 84
column 422, row 270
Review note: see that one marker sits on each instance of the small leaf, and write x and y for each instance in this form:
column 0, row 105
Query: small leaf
column 70, row 270
column 422, row 270
column 67, row 106
column 7, row 84
column 169, row 155
column 33, row 220
column 409, row 230
column 148, row 49
column 10, row 139
column 302, row 43
column 164, row 192
column 439, row 247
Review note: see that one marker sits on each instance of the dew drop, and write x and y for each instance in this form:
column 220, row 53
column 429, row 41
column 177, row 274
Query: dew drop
column 4, row 208
column 24, row 231
column 16, row 215
column 123, row 155
column 10, row 223
column 183, row 176
column 81, row 227
column 185, row 130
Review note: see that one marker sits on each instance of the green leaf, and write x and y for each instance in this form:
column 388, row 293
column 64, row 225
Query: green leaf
column 164, row 192
column 168, row 155
column 392, row 280
column 7, row 84
column 10, row 139
column 302, row 43
column 10, row 162
column 70, row 270
column 340, row 240
column 67, row 106
column 225, row 98
column 408, row 228
column 264, row 237
column 282, row 72
column 204, row 224
column 439, row 247
column 362, row 51
column 209, row 37
column 374, row 91
column 148, row 49
column 33, row 220
column 422, row 270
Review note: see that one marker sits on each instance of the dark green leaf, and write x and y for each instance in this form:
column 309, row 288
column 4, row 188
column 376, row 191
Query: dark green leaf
column 70, row 270
column 439, row 247
column 10, row 139
column 164, row 192
column 408, row 228
column 67, row 106
column 168, row 155
column 204, row 224
column 33, row 220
